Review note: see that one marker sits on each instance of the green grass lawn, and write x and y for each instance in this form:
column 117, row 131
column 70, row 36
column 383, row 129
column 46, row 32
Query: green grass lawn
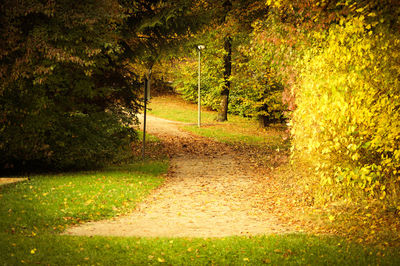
column 237, row 129
column 34, row 212
column 276, row 250
column 175, row 108
column 49, row 203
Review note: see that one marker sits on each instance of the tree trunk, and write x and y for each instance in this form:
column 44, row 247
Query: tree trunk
column 146, row 98
column 223, row 111
column 263, row 121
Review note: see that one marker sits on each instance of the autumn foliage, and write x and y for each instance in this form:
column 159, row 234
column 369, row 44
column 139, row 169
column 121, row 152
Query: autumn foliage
column 70, row 77
column 332, row 68
column 255, row 90
column 343, row 79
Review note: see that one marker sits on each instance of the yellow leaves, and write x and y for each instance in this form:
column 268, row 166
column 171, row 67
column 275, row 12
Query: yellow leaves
column 356, row 156
column 274, row 3
column 267, row 261
column 33, row 251
column 331, row 218
column 246, row 259
column 88, row 202
column 319, row 35
column 161, row 260
column 352, row 147
column 350, row 129
column 383, row 195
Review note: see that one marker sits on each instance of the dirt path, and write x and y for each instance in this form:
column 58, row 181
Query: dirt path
column 210, row 192
column 6, row 181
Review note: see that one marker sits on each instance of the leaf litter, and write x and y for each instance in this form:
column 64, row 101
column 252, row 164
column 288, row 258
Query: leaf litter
column 212, row 190
column 215, row 189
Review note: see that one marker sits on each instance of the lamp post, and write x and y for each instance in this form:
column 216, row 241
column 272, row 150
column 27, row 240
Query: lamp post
column 200, row 47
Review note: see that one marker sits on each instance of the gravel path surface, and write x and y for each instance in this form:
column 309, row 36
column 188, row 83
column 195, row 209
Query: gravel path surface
column 10, row 180
column 210, row 191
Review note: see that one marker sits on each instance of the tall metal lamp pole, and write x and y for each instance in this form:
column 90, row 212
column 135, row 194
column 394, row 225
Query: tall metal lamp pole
column 200, row 47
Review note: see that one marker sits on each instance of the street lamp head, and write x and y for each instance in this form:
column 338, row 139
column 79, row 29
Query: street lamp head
column 200, row 47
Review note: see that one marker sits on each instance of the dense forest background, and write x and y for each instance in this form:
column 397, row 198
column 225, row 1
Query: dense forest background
column 71, row 75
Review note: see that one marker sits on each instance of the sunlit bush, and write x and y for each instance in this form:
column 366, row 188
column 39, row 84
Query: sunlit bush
column 347, row 121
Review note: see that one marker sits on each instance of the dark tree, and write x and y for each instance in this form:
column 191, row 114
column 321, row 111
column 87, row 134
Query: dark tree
column 63, row 84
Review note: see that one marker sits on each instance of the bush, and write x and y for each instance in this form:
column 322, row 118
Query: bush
column 186, row 83
column 46, row 139
column 255, row 91
column 60, row 82
column 347, row 121
column 185, row 75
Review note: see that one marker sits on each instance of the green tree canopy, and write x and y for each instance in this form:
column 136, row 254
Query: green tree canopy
column 71, row 72
column 63, row 81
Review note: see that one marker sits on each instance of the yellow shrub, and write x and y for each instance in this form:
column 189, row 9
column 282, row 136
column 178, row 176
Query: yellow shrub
column 347, row 120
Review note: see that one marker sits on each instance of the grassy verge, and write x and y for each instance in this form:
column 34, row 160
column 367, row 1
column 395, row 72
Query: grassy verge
column 276, row 250
column 237, row 129
column 175, row 108
column 149, row 137
column 49, row 203
column 35, row 211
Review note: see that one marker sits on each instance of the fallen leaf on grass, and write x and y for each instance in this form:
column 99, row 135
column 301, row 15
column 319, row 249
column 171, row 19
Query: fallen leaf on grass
column 267, row 261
